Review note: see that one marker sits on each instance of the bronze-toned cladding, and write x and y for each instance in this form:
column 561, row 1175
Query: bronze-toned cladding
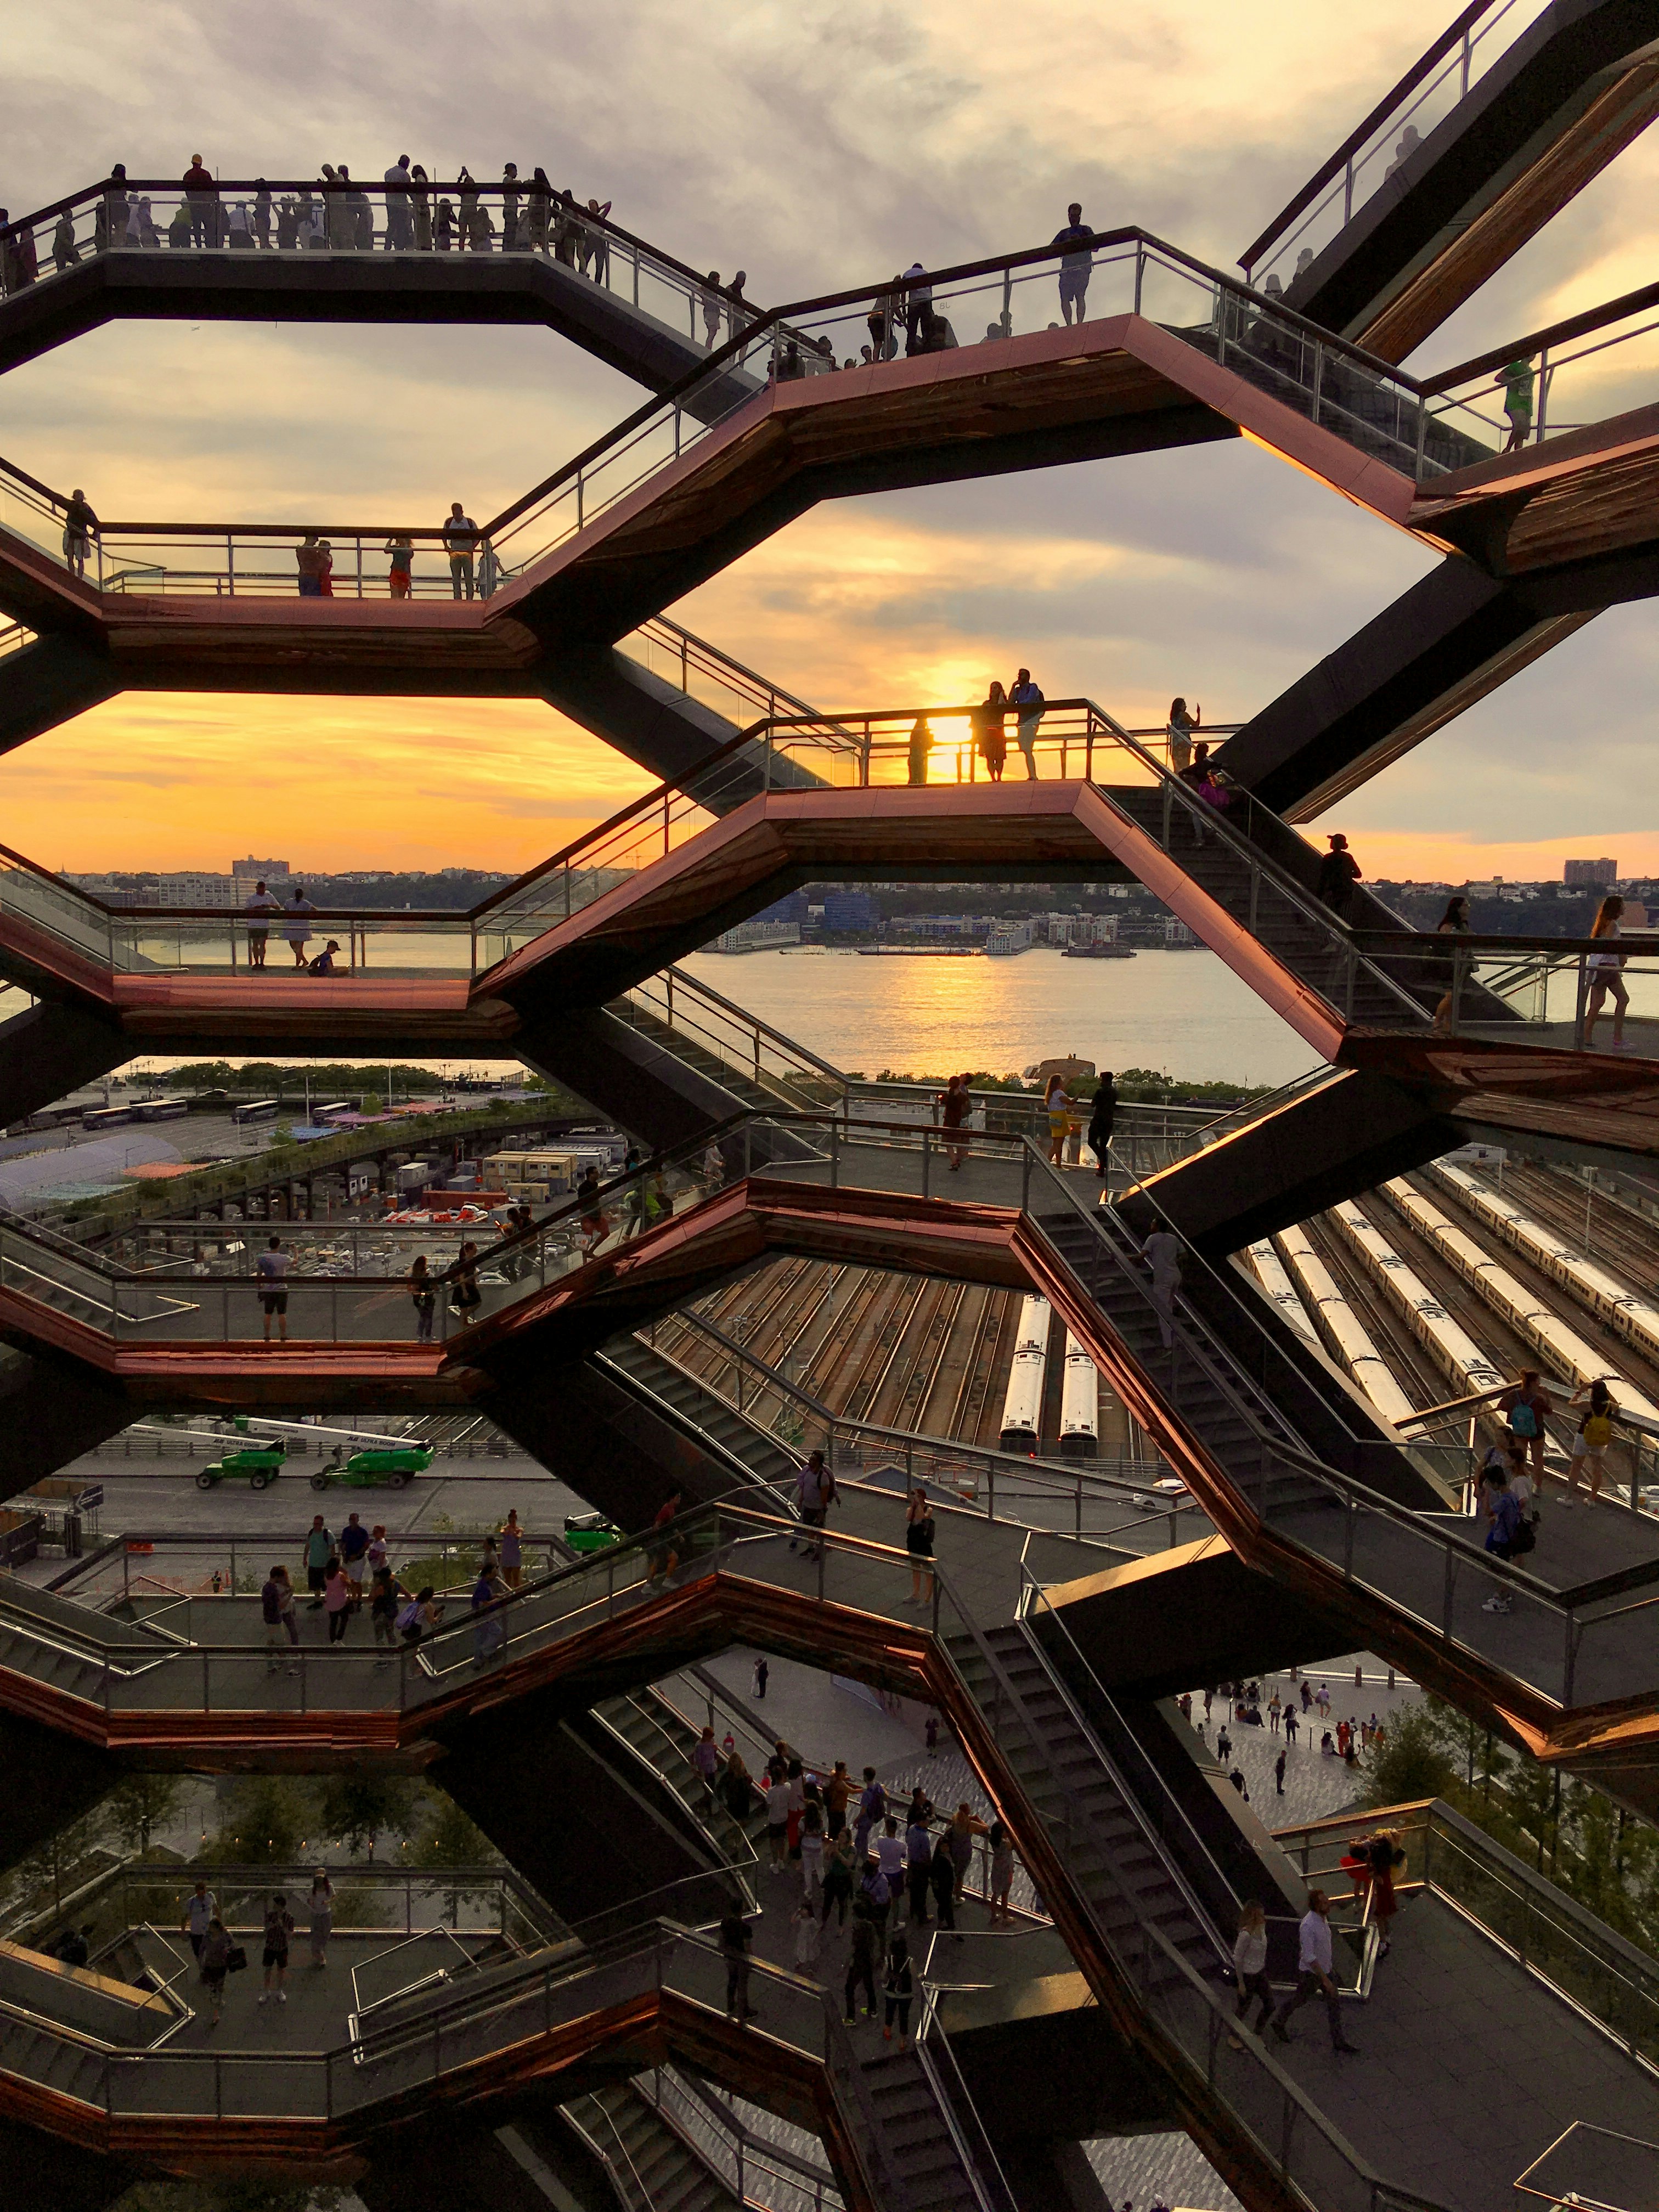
column 1464, row 256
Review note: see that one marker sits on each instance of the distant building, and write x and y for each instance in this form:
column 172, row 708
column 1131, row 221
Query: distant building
column 196, row 890
column 850, row 910
column 757, row 937
column 259, row 869
column 1590, row 875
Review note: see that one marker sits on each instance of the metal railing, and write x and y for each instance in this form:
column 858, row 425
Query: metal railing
column 756, row 2170
column 1466, row 967
column 416, row 218
column 1437, row 1579
column 968, row 1474
column 507, row 2004
column 620, row 860
column 1424, row 96
column 1607, row 1980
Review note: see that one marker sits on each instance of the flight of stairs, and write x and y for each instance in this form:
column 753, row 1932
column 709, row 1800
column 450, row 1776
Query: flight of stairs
column 1223, row 873
column 768, row 1461
column 1220, row 1422
column 656, row 2170
column 916, row 2136
column 1124, row 1878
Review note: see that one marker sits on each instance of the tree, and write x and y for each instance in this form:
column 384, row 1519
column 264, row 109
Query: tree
column 355, row 1806
column 266, row 1818
column 141, row 1803
column 451, row 1839
column 1412, row 1762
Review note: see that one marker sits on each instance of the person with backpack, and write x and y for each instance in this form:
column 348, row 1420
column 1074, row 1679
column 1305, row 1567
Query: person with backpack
column 1524, row 1406
column 1503, row 1518
column 419, row 1616
column 814, row 1491
column 1027, row 702
column 1589, row 1446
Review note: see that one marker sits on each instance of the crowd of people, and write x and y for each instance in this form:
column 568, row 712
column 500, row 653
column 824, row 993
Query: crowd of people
column 864, row 1864
column 1306, row 1709
column 350, row 1572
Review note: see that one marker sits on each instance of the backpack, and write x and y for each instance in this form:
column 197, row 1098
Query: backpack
column 1596, row 1430
column 1523, row 1421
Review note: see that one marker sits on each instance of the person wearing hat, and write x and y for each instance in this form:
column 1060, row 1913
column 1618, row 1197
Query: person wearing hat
column 1338, row 872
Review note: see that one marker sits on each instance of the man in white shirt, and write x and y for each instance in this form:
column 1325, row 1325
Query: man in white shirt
column 263, row 901
column 199, row 1910
column 1315, row 1976
column 399, row 230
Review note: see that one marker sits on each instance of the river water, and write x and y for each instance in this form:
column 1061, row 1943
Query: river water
column 1184, row 1014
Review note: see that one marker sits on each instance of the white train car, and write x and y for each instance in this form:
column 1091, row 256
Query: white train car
column 1453, row 1349
column 1022, row 1408
column 1276, row 1285
column 1624, row 1311
column 1079, row 1404
column 1560, row 1346
column 1345, row 1334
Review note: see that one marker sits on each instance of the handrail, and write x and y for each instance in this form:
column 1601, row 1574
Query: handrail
column 1334, row 166
column 1032, row 1470
column 1636, row 1972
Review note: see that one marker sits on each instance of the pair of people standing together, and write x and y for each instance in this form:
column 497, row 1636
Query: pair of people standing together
column 1026, row 702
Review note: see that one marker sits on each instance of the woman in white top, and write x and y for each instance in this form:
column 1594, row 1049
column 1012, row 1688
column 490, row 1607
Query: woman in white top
column 1605, row 980
column 1250, row 1967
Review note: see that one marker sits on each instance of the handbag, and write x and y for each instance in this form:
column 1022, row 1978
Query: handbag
column 235, row 1959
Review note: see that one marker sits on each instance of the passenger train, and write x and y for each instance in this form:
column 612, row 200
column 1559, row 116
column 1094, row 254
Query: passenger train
column 1452, row 1347
column 1079, row 1404
column 1276, row 1286
column 1624, row 1310
column 1022, row 1408
column 1566, row 1352
column 1345, row 1334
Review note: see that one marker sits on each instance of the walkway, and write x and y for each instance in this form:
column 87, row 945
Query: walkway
column 1482, row 142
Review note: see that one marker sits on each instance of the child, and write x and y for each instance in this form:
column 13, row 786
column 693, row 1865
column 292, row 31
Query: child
column 323, row 964
column 804, row 1921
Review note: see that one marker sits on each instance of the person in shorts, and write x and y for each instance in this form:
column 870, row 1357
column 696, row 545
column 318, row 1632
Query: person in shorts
column 279, row 1926
column 277, row 1609
column 1075, row 244
column 353, row 1546
column 271, row 1271
column 201, row 1908
column 259, row 905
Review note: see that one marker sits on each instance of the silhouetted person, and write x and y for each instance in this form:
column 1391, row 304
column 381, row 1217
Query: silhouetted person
column 202, row 203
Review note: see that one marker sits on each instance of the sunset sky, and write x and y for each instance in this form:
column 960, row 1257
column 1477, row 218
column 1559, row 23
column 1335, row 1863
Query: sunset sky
column 814, row 145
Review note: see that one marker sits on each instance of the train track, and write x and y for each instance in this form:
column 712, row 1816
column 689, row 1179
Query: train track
column 904, row 1302
column 1623, row 1357
column 930, row 1342
column 968, row 1370
column 1620, row 1238
column 1417, row 1375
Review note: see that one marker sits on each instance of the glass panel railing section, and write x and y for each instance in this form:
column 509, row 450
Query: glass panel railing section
column 354, row 942
column 48, row 903
column 379, row 1306
column 1549, row 1931
column 709, row 1024
column 703, row 672
column 1390, row 135
column 1563, row 991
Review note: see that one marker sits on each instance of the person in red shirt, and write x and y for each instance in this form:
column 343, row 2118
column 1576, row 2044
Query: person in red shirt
column 665, row 1557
